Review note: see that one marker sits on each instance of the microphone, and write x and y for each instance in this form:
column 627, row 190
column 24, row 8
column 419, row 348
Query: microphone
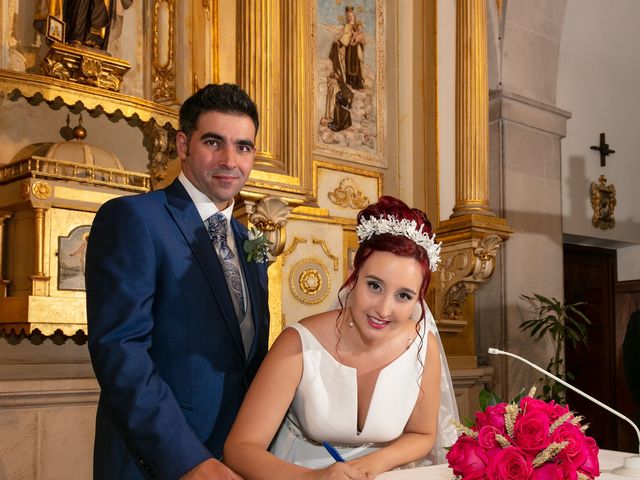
column 631, row 465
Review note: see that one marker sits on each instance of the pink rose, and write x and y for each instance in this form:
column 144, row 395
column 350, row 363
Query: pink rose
column 591, row 466
column 467, row 458
column 578, row 450
column 487, row 438
column 554, row 471
column 557, row 411
column 531, row 431
column 510, row 463
column 493, row 416
column 530, row 405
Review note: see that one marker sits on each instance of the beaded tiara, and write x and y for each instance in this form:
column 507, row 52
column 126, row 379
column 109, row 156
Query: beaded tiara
column 368, row 227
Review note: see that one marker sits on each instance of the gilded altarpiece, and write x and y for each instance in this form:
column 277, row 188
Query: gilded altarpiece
column 281, row 53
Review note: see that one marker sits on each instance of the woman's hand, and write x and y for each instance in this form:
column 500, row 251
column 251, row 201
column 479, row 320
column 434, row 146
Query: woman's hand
column 369, row 465
column 339, row 471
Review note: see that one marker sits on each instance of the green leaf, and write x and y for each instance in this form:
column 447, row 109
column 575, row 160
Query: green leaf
column 467, row 422
column 488, row 398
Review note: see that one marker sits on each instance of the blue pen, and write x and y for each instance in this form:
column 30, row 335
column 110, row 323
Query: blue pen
column 333, row 452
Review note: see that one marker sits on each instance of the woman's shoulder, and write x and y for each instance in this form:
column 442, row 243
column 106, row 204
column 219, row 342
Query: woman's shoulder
column 321, row 322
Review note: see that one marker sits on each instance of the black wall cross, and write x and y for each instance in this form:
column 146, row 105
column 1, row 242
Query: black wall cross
column 604, row 150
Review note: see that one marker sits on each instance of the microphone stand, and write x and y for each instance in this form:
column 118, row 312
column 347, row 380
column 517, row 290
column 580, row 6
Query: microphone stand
column 631, row 465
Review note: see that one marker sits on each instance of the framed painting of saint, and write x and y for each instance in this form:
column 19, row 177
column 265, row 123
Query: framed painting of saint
column 348, row 80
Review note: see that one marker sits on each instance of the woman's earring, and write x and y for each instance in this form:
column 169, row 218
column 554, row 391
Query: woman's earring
column 350, row 323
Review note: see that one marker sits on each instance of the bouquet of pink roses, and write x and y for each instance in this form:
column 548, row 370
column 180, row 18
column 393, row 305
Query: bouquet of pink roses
column 529, row 439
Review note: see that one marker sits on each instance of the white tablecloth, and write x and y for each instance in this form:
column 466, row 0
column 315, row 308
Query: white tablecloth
column 609, row 460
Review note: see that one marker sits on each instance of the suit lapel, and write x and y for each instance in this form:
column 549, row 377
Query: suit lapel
column 185, row 214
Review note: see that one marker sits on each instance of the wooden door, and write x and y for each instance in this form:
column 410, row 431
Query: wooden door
column 627, row 302
column 590, row 276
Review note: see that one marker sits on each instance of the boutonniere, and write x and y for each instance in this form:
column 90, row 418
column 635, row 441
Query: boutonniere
column 257, row 246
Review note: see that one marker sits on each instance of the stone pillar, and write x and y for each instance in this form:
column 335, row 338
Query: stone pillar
column 472, row 109
column 525, row 151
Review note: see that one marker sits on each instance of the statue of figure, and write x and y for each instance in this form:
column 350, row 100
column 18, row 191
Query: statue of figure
column 88, row 22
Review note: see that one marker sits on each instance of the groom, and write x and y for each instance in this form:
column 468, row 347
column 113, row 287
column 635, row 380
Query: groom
column 178, row 318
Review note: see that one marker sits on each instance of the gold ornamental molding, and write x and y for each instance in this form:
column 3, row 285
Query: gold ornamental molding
column 348, row 195
column 470, row 246
column 327, row 251
column 309, row 281
column 58, row 93
column 292, row 248
column 84, row 66
column 41, row 190
column 270, row 215
column 163, row 56
column 41, row 167
column 317, row 165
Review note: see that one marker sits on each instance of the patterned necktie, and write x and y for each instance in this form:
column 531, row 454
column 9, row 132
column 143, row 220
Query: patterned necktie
column 217, row 228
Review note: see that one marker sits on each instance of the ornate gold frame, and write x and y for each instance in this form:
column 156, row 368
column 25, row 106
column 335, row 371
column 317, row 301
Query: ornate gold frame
column 317, row 164
column 164, row 74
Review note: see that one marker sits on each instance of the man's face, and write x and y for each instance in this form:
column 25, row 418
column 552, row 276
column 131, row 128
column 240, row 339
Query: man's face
column 218, row 157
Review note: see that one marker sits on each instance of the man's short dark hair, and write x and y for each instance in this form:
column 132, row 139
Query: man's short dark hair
column 225, row 98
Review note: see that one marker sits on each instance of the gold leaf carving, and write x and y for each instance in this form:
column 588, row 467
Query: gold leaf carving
column 164, row 77
column 348, row 195
column 41, row 190
column 327, row 252
column 309, row 281
column 25, row 190
column 294, row 244
column 83, row 66
column 603, row 202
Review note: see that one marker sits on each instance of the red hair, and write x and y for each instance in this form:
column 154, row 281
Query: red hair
column 386, row 242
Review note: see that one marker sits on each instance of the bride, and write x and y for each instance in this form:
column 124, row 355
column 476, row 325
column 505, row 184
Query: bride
column 370, row 378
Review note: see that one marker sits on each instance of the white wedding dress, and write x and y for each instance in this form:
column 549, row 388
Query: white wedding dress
column 325, row 405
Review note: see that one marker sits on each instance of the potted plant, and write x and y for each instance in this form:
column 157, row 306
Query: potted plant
column 562, row 322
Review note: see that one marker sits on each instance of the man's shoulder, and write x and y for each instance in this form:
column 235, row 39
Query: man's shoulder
column 138, row 199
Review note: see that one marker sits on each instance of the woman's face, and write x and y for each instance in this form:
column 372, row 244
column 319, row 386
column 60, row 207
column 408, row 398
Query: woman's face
column 351, row 16
column 385, row 293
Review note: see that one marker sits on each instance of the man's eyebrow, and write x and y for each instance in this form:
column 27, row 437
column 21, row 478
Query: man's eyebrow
column 247, row 143
column 217, row 136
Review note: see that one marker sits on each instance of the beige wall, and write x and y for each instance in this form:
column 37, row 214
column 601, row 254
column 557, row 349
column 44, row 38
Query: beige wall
column 598, row 82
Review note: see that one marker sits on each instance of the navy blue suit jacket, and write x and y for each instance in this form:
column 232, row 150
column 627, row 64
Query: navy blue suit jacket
column 163, row 336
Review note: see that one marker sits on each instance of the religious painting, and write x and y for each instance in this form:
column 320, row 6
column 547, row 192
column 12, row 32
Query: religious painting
column 55, row 29
column 72, row 251
column 349, row 80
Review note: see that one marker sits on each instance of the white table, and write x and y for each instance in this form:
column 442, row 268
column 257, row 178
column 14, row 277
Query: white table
column 609, row 460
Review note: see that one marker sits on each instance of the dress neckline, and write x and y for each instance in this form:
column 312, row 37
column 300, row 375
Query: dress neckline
column 414, row 344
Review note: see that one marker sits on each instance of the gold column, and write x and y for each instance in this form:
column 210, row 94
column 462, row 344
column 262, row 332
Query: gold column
column 473, row 236
column 3, row 282
column 472, row 109
column 40, row 281
column 259, row 63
